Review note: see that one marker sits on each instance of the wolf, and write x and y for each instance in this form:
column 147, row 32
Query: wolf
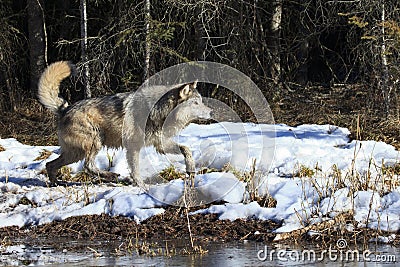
column 87, row 125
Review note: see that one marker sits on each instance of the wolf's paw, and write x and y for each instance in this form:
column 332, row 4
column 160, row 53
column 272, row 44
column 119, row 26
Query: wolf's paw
column 57, row 183
column 190, row 179
column 126, row 181
column 135, row 182
column 109, row 177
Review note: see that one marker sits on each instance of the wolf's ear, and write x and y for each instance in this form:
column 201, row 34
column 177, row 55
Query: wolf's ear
column 185, row 92
column 194, row 84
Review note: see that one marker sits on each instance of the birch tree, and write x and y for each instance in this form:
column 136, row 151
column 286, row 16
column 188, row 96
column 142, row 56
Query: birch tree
column 385, row 84
column 274, row 43
column 379, row 46
column 148, row 39
column 84, row 46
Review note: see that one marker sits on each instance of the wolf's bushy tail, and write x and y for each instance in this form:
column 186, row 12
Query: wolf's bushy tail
column 49, row 85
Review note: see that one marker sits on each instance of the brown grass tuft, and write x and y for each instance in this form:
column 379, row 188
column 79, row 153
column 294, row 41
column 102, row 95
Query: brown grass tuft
column 44, row 154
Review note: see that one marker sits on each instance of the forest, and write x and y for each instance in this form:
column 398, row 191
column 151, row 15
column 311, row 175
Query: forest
column 329, row 168
column 283, row 46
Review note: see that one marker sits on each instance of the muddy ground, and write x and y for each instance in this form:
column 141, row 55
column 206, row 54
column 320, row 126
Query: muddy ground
column 124, row 233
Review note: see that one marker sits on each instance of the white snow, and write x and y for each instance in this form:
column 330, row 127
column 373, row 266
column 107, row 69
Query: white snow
column 343, row 176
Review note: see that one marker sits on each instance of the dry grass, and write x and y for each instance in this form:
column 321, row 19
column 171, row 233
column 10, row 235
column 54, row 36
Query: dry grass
column 252, row 178
column 44, row 154
column 359, row 110
column 325, row 230
column 30, row 124
column 171, row 173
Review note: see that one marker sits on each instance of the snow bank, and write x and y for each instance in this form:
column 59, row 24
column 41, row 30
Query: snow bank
column 278, row 152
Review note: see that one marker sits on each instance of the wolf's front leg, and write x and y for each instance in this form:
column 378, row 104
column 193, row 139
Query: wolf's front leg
column 132, row 156
column 189, row 161
column 170, row 147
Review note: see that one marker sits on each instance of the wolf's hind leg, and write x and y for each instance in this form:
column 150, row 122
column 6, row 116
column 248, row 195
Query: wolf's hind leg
column 64, row 159
column 102, row 175
column 105, row 176
column 91, row 151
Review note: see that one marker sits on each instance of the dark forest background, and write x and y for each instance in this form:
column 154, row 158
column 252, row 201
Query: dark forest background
column 284, row 46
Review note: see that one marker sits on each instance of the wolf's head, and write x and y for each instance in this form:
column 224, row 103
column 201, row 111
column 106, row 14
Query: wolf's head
column 187, row 106
column 191, row 106
column 177, row 108
column 187, row 91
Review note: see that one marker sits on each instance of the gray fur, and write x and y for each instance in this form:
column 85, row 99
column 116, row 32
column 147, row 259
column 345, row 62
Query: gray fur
column 86, row 126
column 173, row 112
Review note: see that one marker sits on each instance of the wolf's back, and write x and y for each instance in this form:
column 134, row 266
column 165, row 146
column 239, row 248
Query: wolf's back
column 49, row 85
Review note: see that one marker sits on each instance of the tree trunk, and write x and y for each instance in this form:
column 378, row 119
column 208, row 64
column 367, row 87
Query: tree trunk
column 303, row 50
column 274, row 43
column 37, row 42
column 65, row 31
column 302, row 55
column 148, row 40
column 385, row 83
column 84, row 37
column 199, row 35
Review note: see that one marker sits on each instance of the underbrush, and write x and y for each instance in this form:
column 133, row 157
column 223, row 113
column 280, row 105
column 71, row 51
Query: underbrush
column 325, row 227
